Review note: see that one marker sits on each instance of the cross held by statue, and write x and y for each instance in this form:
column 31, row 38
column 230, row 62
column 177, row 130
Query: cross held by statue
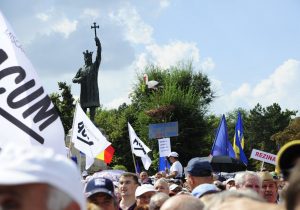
column 94, row 27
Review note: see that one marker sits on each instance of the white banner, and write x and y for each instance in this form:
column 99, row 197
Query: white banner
column 27, row 115
column 164, row 147
column 86, row 137
column 263, row 156
column 139, row 148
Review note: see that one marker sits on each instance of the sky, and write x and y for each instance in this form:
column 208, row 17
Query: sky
column 249, row 49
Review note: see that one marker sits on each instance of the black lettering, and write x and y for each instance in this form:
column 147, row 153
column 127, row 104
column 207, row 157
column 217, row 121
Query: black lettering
column 3, row 56
column 23, row 88
column 12, row 70
column 43, row 112
column 21, row 125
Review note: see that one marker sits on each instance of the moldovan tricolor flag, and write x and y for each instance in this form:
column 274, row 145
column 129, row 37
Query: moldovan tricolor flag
column 86, row 137
column 107, row 154
column 27, row 116
column 139, row 148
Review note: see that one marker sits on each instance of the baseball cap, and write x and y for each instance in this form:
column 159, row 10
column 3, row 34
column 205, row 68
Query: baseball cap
column 174, row 186
column 173, row 154
column 37, row 164
column 140, row 190
column 287, row 157
column 198, row 167
column 97, row 185
column 204, row 189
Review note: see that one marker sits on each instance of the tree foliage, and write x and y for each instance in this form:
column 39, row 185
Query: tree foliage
column 63, row 103
column 291, row 132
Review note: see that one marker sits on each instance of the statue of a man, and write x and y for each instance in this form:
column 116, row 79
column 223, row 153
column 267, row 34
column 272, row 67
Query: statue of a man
column 87, row 76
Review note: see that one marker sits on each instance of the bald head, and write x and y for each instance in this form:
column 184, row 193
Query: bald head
column 182, row 202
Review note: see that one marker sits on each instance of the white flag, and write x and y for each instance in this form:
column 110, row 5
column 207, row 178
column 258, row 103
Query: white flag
column 139, row 148
column 86, row 137
column 27, row 116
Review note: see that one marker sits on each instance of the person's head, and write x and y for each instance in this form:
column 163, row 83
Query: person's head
column 144, row 193
column 287, row 157
column 182, row 202
column 174, row 189
column 269, row 187
column 292, row 196
column 35, row 178
column 128, row 182
column 229, row 183
column 173, row 157
column 100, row 191
column 198, row 171
column 248, row 180
column 144, row 176
column 88, row 57
column 232, row 195
column 158, row 175
column 161, row 185
column 204, row 189
column 157, row 200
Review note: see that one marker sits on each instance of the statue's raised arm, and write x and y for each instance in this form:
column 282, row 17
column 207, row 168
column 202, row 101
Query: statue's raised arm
column 98, row 56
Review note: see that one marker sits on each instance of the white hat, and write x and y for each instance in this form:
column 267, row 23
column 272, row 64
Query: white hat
column 229, row 180
column 140, row 190
column 37, row 164
column 173, row 154
column 173, row 186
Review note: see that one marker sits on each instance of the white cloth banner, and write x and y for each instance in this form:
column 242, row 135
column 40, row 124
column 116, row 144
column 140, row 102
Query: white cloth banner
column 263, row 156
column 139, row 148
column 86, row 137
column 27, row 116
column 164, row 147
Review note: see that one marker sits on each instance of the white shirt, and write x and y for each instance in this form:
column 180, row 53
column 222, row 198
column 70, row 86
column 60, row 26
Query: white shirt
column 176, row 166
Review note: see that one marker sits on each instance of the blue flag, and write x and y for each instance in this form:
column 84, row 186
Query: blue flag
column 222, row 146
column 238, row 140
column 163, row 164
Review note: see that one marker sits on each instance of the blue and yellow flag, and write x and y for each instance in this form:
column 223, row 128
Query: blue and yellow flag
column 238, row 140
column 222, row 145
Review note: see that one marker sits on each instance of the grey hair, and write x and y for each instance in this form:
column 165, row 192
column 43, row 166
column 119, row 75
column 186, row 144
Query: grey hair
column 223, row 196
column 240, row 178
column 161, row 181
column 157, row 200
column 57, row 199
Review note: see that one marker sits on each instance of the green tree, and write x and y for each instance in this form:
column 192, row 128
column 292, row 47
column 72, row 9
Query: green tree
column 182, row 95
column 263, row 123
column 63, row 103
column 291, row 132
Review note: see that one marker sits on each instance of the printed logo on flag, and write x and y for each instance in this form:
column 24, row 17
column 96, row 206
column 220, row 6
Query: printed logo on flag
column 138, row 146
column 82, row 135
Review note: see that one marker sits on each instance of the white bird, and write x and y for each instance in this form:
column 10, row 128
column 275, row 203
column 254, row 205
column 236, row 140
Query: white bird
column 150, row 84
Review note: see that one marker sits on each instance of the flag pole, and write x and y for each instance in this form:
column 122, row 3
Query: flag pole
column 134, row 163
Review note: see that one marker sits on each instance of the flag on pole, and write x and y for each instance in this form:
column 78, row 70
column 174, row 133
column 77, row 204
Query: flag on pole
column 222, row 145
column 107, row 154
column 27, row 115
column 139, row 148
column 86, row 137
column 238, row 140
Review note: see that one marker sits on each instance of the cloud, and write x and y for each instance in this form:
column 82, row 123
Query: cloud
column 42, row 16
column 171, row 54
column 280, row 87
column 135, row 29
column 90, row 12
column 164, row 4
column 65, row 27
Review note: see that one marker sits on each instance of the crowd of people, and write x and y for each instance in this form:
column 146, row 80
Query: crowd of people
column 36, row 178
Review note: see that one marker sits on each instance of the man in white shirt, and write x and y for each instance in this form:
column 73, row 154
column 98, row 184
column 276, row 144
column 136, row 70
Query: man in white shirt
column 176, row 167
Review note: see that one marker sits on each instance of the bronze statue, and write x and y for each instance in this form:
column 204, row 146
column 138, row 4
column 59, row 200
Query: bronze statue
column 87, row 76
